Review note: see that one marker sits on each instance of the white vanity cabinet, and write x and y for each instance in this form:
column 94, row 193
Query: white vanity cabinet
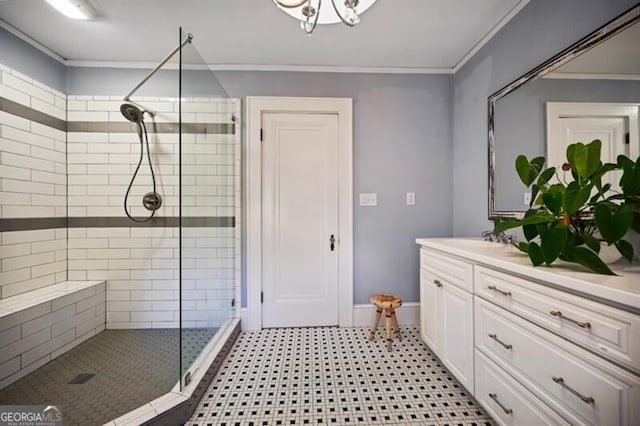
column 446, row 311
column 533, row 345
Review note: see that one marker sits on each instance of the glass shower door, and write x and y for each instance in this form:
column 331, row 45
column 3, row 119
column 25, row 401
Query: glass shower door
column 207, row 146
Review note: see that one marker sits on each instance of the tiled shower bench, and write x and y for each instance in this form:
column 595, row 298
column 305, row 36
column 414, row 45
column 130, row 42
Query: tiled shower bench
column 38, row 326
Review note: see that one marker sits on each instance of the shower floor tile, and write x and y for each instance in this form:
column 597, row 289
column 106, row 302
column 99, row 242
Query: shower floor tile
column 130, row 367
column 334, row 376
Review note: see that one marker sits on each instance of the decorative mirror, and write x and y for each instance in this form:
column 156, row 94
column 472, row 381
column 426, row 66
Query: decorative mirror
column 591, row 90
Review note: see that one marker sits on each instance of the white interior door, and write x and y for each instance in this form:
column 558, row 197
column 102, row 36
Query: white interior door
column 299, row 216
column 616, row 125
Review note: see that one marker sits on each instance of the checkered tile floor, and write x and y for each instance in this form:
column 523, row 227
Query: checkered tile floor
column 334, row 376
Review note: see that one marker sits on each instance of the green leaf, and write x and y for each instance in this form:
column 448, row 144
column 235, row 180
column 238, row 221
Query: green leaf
column 622, row 160
column 603, row 170
column 591, row 242
column 587, row 158
column 503, row 225
column 523, row 247
column 636, row 222
column 613, row 226
column 576, row 197
column 571, row 153
column 528, row 171
column 625, row 249
column 604, row 219
column 530, row 232
column 534, row 193
column 546, row 176
column 589, row 259
column 553, row 201
column 535, row 254
column 630, row 180
column 552, row 241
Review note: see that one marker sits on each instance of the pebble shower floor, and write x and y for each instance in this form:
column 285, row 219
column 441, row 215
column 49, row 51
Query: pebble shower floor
column 334, row 376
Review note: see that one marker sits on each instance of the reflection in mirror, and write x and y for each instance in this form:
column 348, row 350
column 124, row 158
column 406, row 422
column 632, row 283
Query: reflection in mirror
column 589, row 91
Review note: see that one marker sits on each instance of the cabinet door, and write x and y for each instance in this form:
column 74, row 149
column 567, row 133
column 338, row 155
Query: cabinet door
column 457, row 336
column 430, row 307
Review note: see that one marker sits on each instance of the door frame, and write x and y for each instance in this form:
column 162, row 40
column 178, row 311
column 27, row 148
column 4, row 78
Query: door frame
column 556, row 110
column 256, row 106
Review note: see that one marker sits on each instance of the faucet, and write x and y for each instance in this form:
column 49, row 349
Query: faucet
column 487, row 235
column 500, row 237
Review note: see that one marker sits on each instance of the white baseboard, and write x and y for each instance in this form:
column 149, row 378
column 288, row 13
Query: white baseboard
column 244, row 319
column 407, row 314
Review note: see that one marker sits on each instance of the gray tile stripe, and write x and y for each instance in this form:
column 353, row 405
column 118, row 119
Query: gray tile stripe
column 155, row 222
column 30, row 224
column 121, row 127
column 29, row 113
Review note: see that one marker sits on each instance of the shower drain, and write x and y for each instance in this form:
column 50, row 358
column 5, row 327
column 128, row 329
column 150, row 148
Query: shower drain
column 81, row 379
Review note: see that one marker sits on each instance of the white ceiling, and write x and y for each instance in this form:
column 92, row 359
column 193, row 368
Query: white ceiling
column 617, row 56
column 418, row 35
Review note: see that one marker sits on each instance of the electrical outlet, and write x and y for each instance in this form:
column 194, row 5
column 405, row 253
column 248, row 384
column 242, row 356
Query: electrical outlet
column 527, row 198
column 369, row 199
column 411, row 198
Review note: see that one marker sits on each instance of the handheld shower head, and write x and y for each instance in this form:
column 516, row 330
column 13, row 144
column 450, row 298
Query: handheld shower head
column 131, row 112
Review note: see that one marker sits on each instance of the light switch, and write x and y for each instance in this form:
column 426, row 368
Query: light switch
column 369, row 199
column 411, row 198
column 527, row 198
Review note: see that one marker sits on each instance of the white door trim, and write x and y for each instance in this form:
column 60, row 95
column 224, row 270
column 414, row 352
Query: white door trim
column 256, row 105
column 557, row 110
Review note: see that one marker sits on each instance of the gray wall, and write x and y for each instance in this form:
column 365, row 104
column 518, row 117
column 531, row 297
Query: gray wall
column 402, row 143
column 539, row 31
column 520, row 125
column 23, row 57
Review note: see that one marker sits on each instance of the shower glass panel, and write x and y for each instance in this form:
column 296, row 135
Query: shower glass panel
column 207, row 234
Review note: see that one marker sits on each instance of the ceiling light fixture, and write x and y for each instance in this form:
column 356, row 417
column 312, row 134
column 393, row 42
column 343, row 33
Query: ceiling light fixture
column 311, row 13
column 74, row 9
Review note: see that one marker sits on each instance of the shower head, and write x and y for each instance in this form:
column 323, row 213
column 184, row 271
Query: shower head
column 131, row 112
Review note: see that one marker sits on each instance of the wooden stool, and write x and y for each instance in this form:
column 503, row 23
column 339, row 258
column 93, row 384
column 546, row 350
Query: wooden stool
column 389, row 303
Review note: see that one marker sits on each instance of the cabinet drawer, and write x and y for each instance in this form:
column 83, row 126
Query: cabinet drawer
column 610, row 332
column 561, row 373
column 506, row 400
column 454, row 271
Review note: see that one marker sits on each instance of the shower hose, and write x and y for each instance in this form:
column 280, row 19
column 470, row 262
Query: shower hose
column 151, row 200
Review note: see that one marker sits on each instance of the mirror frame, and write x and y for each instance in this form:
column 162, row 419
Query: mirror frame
column 608, row 30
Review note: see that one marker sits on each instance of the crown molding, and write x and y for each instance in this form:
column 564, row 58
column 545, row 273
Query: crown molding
column 587, row 76
column 262, row 67
column 504, row 21
column 41, row 47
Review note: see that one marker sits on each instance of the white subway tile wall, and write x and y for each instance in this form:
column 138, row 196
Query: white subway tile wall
column 32, row 336
column 141, row 264
column 33, row 184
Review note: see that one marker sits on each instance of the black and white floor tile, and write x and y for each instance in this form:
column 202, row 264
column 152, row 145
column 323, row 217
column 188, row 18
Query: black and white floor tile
column 336, row 376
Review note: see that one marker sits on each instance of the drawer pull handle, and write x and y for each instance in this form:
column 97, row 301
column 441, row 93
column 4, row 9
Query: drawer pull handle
column 437, row 283
column 495, row 337
column 502, row 292
column 580, row 324
column 495, row 398
column 586, row 399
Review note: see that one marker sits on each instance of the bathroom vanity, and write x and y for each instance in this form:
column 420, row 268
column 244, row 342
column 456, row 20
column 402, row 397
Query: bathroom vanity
column 534, row 345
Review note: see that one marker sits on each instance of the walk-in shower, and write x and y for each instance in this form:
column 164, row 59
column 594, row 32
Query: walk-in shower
column 156, row 287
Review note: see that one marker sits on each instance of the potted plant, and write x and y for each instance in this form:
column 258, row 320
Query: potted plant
column 572, row 216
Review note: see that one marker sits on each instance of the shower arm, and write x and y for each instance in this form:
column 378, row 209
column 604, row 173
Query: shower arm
column 186, row 40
